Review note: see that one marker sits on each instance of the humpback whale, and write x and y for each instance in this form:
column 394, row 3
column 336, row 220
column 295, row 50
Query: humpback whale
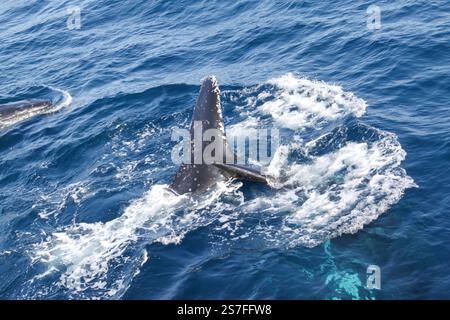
column 200, row 174
column 22, row 110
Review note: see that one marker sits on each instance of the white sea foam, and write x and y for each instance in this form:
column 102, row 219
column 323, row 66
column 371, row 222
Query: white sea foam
column 302, row 103
column 298, row 103
column 337, row 192
column 85, row 251
column 96, row 260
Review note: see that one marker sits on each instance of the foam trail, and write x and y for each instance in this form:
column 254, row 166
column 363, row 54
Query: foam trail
column 86, row 251
column 99, row 260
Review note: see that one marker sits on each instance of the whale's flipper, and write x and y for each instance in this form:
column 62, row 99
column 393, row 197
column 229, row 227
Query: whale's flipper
column 241, row 172
column 201, row 175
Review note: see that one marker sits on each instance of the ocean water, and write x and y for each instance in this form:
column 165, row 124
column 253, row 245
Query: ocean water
column 365, row 154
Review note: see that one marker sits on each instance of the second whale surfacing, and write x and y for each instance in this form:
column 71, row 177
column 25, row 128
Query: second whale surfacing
column 195, row 176
column 18, row 111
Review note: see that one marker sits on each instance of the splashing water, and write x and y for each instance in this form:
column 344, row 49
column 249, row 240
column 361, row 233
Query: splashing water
column 84, row 251
column 335, row 178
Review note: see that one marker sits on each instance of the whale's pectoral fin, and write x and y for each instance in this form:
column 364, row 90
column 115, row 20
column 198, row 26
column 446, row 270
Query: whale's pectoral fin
column 241, row 172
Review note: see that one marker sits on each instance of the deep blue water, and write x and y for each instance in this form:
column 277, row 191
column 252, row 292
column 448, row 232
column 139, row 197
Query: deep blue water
column 364, row 120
